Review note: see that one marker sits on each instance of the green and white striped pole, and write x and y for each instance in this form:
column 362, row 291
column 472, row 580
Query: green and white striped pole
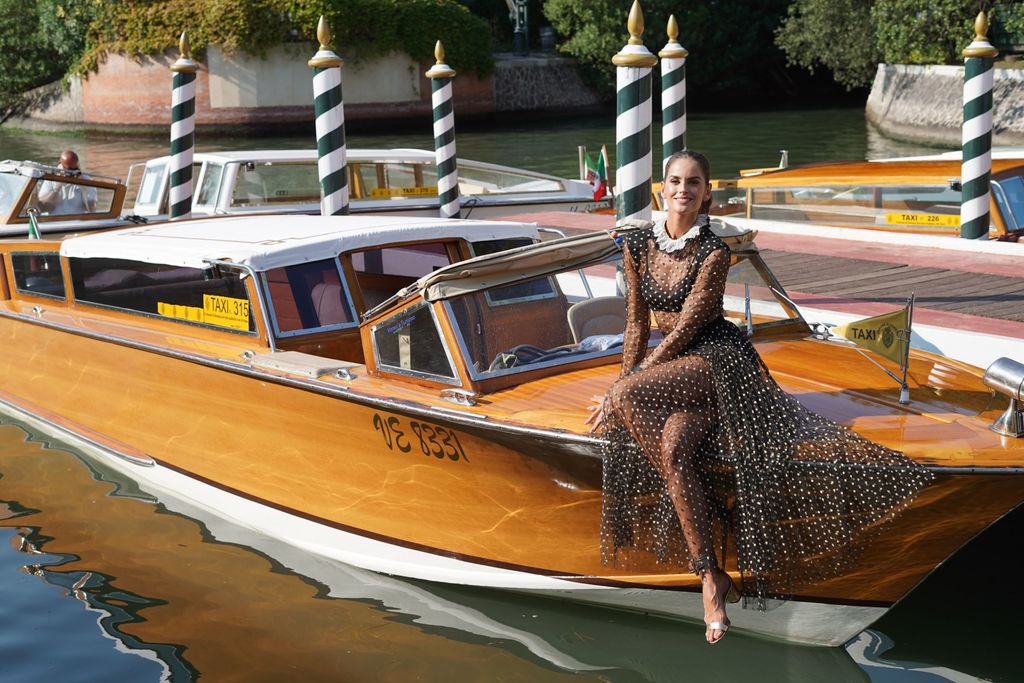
column 976, row 171
column 633, row 123
column 441, row 76
column 329, row 108
column 183, row 125
column 673, row 93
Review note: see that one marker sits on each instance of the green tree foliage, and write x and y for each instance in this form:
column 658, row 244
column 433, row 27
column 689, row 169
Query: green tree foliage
column 731, row 44
column 851, row 37
column 366, row 27
column 38, row 42
column 836, row 34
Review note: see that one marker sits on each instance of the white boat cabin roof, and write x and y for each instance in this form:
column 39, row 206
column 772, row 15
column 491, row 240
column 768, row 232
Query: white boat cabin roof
column 264, row 242
column 295, row 155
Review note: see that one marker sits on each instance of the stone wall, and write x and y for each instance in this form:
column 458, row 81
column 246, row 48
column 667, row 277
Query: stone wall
column 240, row 91
column 925, row 104
column 539, row 83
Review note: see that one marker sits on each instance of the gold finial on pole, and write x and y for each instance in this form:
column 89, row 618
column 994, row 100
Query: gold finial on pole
column 672, row 49
column 980, row 47
column 323, row 33
column 635, row 24
column 634, row 54
column 184, row 63
column 325, row 57
column 440, row 69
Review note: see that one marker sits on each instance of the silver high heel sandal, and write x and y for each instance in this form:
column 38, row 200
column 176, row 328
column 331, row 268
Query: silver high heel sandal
column 732, row 596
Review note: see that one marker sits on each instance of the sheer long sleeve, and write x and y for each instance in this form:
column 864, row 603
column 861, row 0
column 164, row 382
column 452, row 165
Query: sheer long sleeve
column 702, row 304
column 638, row 317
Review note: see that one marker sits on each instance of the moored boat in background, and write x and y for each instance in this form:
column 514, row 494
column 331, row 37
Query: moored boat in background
column 394, row 181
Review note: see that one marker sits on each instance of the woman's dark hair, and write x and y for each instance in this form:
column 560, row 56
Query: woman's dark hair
column 705, row 168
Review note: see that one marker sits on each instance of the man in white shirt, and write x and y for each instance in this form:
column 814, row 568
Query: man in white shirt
column 63, row 198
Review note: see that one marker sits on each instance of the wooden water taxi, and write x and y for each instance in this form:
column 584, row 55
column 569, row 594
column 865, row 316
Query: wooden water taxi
column 914, row 195
column 394, row 181
column 64, row 201
column 440, row 434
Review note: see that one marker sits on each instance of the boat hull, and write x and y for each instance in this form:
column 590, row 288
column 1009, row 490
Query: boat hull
column 354, row 476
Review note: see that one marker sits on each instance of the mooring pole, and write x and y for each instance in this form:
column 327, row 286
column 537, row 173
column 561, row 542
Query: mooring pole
column 976, row 171
column 441, row 76
column 183, row 125
column 633, row 123
column 329, row 108
column 673, row 93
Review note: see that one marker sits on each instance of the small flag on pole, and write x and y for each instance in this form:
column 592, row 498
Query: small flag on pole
column 888, row 335
column 597, row 174
column 33, row 227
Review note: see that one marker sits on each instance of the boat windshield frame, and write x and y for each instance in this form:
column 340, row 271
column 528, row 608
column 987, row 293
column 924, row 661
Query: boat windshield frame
column 411, row 307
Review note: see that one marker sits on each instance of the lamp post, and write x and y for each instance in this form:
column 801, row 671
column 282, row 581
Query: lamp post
column 518, row 15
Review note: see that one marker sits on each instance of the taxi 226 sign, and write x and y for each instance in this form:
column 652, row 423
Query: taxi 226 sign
column 426, row 438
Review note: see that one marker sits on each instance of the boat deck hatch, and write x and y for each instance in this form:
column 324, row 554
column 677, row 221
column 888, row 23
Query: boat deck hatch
column 298, row 363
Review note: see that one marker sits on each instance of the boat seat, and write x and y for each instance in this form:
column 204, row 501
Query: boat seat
column 600, row 315
column 329, row 303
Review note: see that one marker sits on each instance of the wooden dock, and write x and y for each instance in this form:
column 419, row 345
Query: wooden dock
column 957, row 289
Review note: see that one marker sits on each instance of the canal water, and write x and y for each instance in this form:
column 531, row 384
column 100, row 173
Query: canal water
column 100, row 581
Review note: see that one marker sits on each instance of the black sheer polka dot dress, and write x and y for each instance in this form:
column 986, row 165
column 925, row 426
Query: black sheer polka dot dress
column 706, row 456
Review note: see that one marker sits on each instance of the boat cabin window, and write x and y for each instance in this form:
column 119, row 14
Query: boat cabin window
column 309, row 296
column 935, row 207
column 410, row 343
column 150, row 188
column 38, row 274
column 201, row 296
column 393, row 180
column 209, row 185
column 382, row 272
column 59, row 197
column 11, row 186
column 266, row 183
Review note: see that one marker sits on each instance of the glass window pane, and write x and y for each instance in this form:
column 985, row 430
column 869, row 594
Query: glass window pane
column 207, row 195
column 149, row 188
column 196, row 295
column 410, row 342
column 382, row 272
column 476, row 180
column 268, row 183
column 10, row 190
column 66, row 198
column 38, row 274
column 308, row 296
column 1013, row 191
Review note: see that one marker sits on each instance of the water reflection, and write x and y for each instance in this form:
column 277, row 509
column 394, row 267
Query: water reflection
column 246, row 607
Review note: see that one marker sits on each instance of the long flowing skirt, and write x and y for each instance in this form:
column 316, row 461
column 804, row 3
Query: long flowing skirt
column 796, row 495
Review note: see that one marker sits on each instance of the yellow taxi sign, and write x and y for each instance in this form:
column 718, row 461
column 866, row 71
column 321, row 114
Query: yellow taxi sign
column 935, row 220
column 226, row 311
column 386, row 192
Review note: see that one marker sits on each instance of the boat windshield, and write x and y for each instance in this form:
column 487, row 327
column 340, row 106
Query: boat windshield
column 68, row 197
column 11, row 186
column 1009, row 194
column 931, row 207
column 573, row 315
column 480, row 180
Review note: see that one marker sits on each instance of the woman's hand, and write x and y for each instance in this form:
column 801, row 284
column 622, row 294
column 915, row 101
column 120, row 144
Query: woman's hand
column 597, row 414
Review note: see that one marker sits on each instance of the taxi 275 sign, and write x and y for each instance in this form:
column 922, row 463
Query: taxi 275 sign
column 411, row 435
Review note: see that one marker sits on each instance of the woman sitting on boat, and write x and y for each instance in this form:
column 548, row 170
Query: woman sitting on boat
column 704, row 445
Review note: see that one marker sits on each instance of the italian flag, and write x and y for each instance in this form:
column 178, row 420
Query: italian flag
column 597, row 174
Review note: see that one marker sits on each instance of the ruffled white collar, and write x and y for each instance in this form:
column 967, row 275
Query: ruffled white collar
column 668, row 244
